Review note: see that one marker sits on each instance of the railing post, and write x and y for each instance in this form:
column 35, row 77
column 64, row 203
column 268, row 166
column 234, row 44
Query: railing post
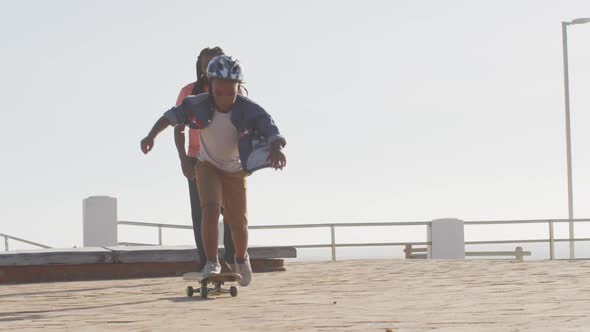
column 160, row 235
column 551, row 241
column 408, row 251
column 519, row 254
column 6, row 243
column 333, row 243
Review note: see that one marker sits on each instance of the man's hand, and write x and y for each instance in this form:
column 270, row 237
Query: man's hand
column 147, row 144
column 188, row 167
column 277, row 157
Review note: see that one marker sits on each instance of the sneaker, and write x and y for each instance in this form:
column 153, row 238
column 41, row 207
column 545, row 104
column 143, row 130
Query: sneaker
column 211, row 268
column 245, row 270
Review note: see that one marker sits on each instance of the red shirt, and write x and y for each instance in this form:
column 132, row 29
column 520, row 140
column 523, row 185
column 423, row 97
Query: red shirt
column 193, row 134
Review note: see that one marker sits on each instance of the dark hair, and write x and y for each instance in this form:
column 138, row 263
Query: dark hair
column 202, row 77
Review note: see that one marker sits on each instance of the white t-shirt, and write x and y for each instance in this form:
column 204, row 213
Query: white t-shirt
column 219, row 143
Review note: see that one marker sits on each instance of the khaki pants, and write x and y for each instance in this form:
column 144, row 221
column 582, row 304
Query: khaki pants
column 228, row 190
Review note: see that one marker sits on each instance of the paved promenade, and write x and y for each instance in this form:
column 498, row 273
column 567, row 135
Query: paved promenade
column 375, row 295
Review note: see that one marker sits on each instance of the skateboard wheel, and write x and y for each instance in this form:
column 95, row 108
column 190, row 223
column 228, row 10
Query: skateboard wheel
column 204, row 292
column 233, row 291
column 190, row 291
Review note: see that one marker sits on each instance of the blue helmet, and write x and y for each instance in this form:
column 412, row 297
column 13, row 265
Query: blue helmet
column 224, row 67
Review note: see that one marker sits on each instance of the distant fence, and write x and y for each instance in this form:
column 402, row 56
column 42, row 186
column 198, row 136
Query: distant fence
column 333, row 244
column 551, row 240
column 14, row 238
column 518, row 253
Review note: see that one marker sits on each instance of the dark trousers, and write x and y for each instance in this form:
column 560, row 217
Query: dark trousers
column 197, row 215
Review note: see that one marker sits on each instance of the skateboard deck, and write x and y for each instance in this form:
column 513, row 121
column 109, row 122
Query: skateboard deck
column 217, row 280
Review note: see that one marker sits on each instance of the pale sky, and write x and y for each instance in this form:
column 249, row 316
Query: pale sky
column 393, row 110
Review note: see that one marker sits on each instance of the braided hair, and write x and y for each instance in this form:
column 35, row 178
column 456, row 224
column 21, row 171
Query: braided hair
column 202, row 80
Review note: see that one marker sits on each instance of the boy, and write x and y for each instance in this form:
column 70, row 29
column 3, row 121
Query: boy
column 188, row 159
column 234, row 133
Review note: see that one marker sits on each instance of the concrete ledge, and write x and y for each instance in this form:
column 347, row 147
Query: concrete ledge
column 155, row 254
column 272, row 252
column 102, row 271
column 89, row 255
column 27, row 266
column 126, row 254
column 140, row 254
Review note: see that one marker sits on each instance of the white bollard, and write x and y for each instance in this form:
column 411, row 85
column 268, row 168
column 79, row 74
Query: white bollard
column 447, row 238
column 99, row 221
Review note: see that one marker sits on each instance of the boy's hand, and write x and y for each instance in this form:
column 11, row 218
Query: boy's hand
column 277, row 157
column 147, row 144
column 188, row 168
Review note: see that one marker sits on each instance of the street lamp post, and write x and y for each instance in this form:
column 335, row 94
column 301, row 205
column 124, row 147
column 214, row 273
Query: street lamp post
column 568, row 137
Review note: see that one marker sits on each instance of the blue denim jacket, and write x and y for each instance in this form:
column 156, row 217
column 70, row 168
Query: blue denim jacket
column 257, row 131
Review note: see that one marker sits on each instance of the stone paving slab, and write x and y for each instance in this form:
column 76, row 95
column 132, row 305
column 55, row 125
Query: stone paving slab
column 370, row 295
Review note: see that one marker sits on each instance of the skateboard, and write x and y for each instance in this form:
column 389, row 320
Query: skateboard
column 217, row 280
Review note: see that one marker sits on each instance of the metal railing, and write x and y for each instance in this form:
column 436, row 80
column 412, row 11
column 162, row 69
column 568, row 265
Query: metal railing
column 14, row 238
column 518, row 253
column 332, row 226
column 551, row 229
column 333, row 244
